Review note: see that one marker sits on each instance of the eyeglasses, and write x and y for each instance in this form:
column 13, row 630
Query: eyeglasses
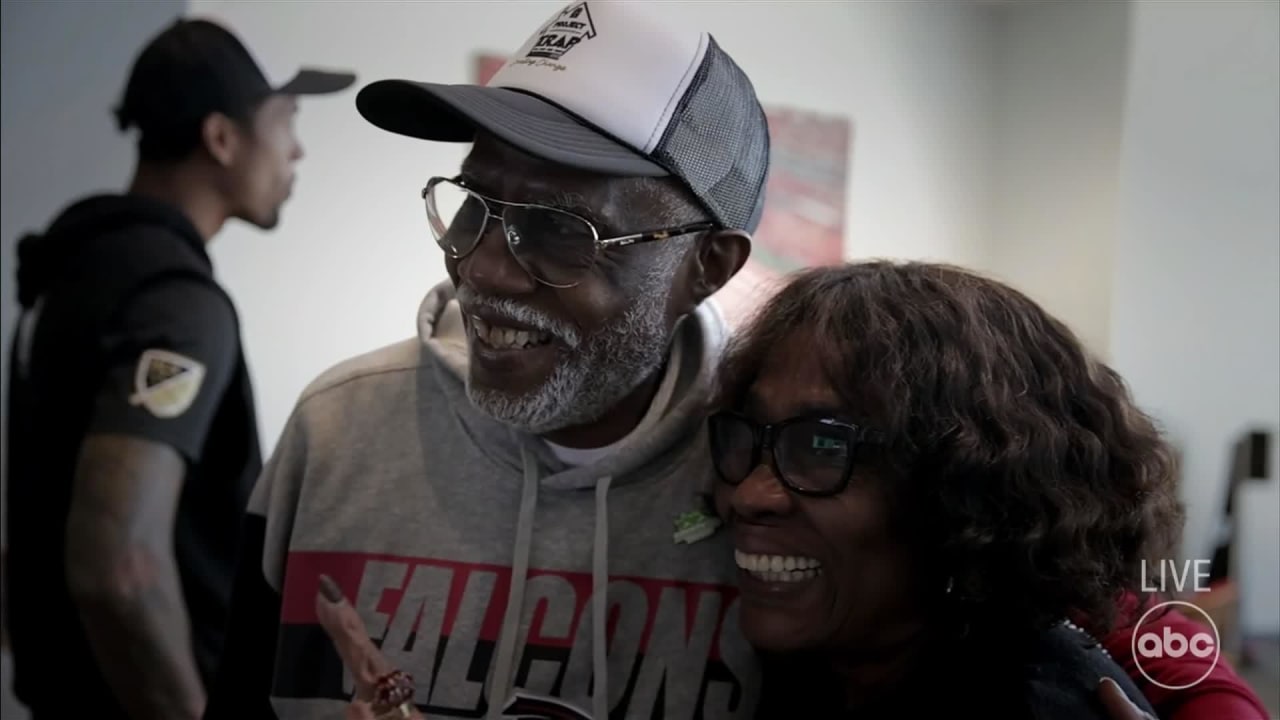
column 810, row 455
column 555, row 246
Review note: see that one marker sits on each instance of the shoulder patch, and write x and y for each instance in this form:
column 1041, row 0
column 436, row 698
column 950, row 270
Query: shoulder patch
column 166, row 383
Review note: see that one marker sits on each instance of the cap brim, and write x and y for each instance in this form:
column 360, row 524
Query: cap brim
column 453, row 113
column 317, row 82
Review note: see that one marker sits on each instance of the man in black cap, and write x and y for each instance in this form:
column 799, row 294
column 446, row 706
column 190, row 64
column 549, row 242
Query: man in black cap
column 133, row 442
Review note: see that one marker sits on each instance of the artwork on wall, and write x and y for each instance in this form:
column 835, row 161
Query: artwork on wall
column 804, row 219
column 488, row 65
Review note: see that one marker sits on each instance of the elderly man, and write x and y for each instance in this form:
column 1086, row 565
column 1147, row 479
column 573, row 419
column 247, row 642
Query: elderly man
column 511, row 498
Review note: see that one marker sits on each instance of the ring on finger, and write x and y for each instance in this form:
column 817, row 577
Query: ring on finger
column 393, row 695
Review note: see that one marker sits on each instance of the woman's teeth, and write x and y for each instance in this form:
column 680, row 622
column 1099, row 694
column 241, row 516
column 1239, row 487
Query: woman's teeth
column 508, row 338
column 778, row 568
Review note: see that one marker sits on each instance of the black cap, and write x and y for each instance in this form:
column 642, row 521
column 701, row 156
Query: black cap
column 197, row 67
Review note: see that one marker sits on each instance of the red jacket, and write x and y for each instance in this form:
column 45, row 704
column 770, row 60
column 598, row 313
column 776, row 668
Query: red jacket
column 1223, row 695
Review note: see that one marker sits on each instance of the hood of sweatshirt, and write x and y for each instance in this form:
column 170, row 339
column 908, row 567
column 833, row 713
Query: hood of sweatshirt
column 44, row 257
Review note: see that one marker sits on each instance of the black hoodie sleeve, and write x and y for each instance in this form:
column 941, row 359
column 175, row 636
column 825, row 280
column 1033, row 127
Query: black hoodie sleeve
column 170, row 352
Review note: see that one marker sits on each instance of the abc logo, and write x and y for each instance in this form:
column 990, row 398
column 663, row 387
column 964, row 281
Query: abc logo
column 1175, row 644
column 1149, row 645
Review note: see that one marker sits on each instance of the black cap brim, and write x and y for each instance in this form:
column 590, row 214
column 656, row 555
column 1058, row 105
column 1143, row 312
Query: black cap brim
column 317, row 82
column 453, row 113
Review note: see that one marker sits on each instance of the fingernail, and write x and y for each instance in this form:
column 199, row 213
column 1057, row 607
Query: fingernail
column 1114, row 686
column 330, row 590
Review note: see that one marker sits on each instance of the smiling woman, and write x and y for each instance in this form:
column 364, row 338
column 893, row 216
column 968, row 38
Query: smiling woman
column 925, row 475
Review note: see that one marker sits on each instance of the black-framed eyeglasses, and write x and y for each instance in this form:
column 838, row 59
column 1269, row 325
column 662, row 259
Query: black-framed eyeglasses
column 555, row 246
column 810, row 455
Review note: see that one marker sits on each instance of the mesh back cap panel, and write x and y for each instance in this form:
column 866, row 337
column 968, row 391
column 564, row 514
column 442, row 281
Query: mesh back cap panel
column 720, row 111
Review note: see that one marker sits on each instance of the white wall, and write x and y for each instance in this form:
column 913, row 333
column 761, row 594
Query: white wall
column 1196, row 298
column 346, row 270
column 1059, row 86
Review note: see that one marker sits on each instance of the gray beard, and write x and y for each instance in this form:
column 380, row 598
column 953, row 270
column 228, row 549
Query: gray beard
column 595, row 374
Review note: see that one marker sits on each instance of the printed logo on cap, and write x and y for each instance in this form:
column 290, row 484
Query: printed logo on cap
column 570, row 27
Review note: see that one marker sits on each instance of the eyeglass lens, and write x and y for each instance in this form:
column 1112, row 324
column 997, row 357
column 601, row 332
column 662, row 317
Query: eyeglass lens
column 808, row 454
column 552, row 245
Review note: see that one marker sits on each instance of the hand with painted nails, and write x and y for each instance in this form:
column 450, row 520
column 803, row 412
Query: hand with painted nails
column 382, row 692
column 1117, row 704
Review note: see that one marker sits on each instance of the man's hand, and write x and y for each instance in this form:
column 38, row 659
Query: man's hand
column 1117, row 704
column 373, row 700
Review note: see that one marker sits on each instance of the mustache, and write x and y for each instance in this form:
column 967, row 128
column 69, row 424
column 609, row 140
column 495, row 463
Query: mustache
column 518, row 312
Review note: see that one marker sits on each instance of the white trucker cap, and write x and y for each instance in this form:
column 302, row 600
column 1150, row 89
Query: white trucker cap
column 610, row 87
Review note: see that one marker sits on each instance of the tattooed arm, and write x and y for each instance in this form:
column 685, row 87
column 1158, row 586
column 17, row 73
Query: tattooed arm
column 124, row 578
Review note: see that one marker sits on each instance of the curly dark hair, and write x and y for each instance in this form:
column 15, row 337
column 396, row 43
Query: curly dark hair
column 1020, row 468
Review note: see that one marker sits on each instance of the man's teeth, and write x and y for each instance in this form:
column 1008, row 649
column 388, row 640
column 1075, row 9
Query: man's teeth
column 505, row 338
column 778, row 568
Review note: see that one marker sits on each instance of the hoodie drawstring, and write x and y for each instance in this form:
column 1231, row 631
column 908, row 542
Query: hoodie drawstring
column 504, row 671
column 504, row 667
column 600, row 603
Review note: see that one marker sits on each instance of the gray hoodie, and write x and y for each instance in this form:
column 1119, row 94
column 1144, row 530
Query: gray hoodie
column 504, row 582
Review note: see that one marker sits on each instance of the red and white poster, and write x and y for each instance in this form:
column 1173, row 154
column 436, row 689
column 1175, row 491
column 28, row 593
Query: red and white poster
column 487, row 66
column 804, row 218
